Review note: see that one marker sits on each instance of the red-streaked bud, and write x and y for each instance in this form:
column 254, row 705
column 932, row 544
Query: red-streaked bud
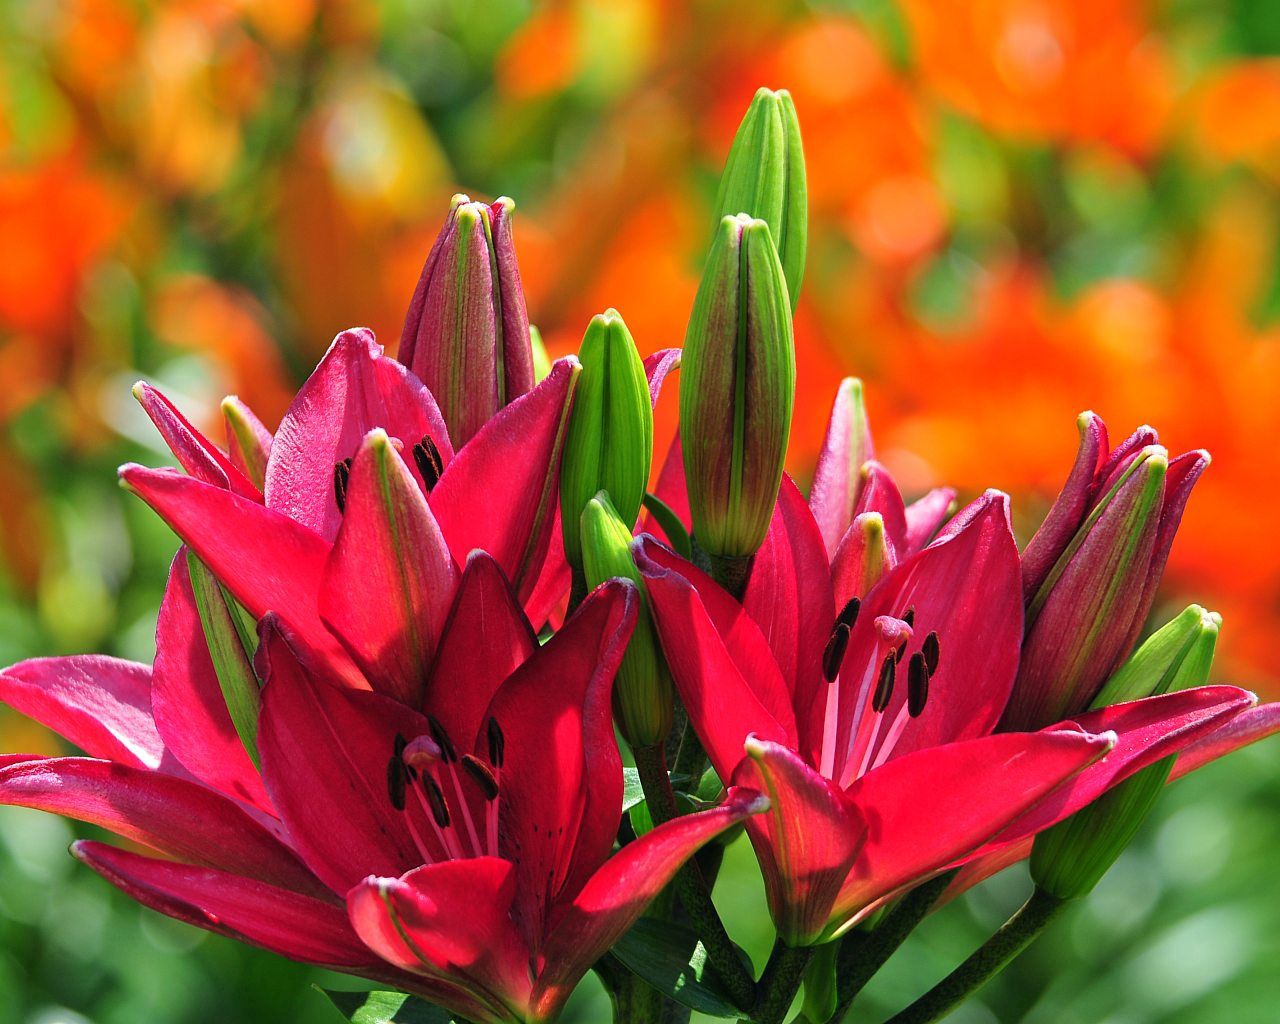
column 1089, row 605
column 466, row 334
column 738, row 390
column 1069, row 859
column 642, row 689
column 764, row 176
column 609, row 445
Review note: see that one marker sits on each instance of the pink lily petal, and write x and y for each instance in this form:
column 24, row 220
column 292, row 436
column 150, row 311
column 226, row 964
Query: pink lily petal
column 499, row 494
column 548, row 601
column 719, row 659
column 1070, row 508
column 929, row 809
column 789, row 596
column 450, row 921
column 101, row 705
column 925, row 517
column 837, row 479
column 807, row 842
column 293, row 925
column 353, row 390
column 187, row 700
column 390, row 579
column 485, row 638
column 248, row 440
column 561, row 780
column 180, row 819
column 656, row 368
column 619, row 891
column 1249, row 726
column 195, row 453
column 324, row 761
column 267, row 560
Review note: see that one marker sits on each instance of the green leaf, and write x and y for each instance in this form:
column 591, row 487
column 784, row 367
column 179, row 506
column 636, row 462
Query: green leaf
column 670, row 958
column 386, row 1008
column 632, row 791
column 665, row 516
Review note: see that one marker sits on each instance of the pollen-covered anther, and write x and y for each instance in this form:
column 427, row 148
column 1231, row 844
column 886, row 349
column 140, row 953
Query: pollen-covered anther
column 396, row 780
column 341, row 477
column 932, row 650
column 497, row 743
column 833, row 653
column 481, row 775
column 435, row 801
column 884, row 685
column 448, row 753
column 426, row 456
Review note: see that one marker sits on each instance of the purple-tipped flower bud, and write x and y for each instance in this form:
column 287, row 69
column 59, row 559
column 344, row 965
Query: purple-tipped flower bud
column 1092, row 570
column 466, row 334
column 1069, row 859
column 738, row 390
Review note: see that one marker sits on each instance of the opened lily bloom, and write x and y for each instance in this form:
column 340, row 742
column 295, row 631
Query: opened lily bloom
column 869, row 716
column 438, row 796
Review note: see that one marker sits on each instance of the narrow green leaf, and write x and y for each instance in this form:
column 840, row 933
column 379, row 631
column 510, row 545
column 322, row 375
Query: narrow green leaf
column 225, row 632
column 386, row 1008
column 664, row 515
column 669, row 957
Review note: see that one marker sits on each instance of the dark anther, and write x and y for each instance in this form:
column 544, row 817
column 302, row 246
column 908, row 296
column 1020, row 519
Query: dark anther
column 917, row 684
column 479, row 771
column 902, row 649
column 401, row 743
column 341, row 476
column 833, row 654
column 426, row 457
column 448, row 752
column 909, row 616
column 884, row 686
column 931, row 650
column 849, row 613
column 395, row 782
column 435, row 800
column 497, row 743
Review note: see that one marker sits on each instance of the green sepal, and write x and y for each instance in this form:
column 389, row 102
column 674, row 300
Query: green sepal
column 609, row 444
column 764, row 177
column 820, row 997
column 231, row 641
column 665, row 516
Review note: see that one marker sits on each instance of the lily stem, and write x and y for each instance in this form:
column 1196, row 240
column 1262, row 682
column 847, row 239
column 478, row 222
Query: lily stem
column 862, row 954
column 996, row 953
column 690, row 885
column 780, row 982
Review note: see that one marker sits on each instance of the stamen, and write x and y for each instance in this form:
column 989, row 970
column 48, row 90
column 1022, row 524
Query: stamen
column 902, row 649
column 497, row 743
column 917, row 684
column 341, row 477
column 426, row 456
column 931, row 648
column 483, row 777
column 849, row 613
column 435, row 800
column 396, row 782
column 833, row 653
column 448, row 752
column 909, row 616
column 884, row 687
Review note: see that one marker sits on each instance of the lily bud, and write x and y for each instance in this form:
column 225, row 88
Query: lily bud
column 1069, row 859
column 609, row 445
column 466, row 335
column 765, row 177
column 248, row 441
column 738, row 390
column 642, row 688
column 1091, row 572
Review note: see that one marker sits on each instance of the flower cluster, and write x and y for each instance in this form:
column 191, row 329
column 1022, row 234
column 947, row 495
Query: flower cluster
column 379, row 731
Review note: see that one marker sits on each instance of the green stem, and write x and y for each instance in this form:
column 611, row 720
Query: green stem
column 863, row 953
column 780, row 982
column 995, row 954
column 690, row 885
column 731, row 572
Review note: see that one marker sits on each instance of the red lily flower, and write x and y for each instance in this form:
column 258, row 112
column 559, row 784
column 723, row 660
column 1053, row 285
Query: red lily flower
column 872, row 729
column 459, row 849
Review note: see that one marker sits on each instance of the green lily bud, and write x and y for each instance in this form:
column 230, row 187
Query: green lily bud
column 230, row 637
column 609, row 444
column 765, row 177
column 1069, row 859
column 642, row 689
column 738, row 390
